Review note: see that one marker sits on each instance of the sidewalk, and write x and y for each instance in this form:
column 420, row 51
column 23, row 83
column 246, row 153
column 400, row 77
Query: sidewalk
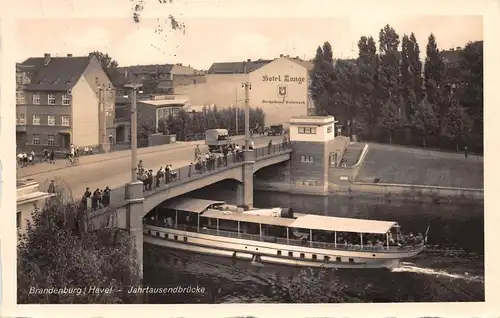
column 84, row 160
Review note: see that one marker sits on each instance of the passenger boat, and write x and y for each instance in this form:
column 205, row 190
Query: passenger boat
column 279, row 235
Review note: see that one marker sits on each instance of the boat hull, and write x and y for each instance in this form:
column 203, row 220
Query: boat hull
column 273, row 253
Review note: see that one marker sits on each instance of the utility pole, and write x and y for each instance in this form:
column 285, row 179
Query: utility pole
column 236, row 110
column 133, row 128
column 247, row 87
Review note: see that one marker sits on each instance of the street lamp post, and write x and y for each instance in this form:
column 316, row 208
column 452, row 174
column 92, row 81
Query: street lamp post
column 247, row 87
column 133, row 128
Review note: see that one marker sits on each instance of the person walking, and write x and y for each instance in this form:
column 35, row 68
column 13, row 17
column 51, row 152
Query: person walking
column 466, row 152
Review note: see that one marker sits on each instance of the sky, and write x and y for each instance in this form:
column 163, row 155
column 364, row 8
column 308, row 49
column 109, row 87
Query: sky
column 236, row 32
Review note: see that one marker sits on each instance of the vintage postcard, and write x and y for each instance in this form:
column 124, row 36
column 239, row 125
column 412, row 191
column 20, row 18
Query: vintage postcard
column 305, row 158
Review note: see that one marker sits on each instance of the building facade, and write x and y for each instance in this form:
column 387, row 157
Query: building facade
column 61, row 101
column 151, row 112
column 280, row 87
column 28, row 198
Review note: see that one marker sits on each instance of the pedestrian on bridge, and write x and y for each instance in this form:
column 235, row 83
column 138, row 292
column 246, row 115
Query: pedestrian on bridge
column 52, row 187
column 197, row 152
column 106, row 196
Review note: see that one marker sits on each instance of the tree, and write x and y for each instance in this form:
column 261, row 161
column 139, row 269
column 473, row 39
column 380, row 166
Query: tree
column 415, row 65
column 321, row 78
column 425, row 121
column 456, row 124
column 61, row 250
column 389, row 118
column 471, row 83
column 407, row 88
column 108, row 64
column 434, row 75
column 389, row 73
column 346, row 96
column 369, row 107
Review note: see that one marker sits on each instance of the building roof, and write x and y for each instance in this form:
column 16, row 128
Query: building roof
column 60, row 74
column 335, row 224
column 249, row 66
column 237, row 67
column 146, row 69
column 190, row 204
column 193, row 108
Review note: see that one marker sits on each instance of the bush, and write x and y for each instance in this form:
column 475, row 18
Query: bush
column 61, row 250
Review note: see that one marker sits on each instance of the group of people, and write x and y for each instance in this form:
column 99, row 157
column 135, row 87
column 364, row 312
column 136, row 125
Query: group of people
column 99, row 198
column 149, row 179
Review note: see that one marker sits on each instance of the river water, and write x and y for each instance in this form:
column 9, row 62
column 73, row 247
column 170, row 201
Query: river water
column 452, row 269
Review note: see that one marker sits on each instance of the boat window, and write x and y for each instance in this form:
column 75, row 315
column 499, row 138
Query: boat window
column 157, row 233
column 166, row 236
column 149, row 232
column 302, row 255
column 351, row 260
column 326, row 258
column 185, row 239
column 339, row 259
column 290, row 254
column 175, row 237
column 278, row 252
column 314, row 256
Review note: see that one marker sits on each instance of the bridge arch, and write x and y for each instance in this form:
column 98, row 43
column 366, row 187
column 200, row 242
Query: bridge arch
column 259, row 164
column 153, row 200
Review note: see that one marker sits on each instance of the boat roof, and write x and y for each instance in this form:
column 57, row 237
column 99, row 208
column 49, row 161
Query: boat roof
column 308, row 221
column 329, row 223
column 190, row 204
column 240, row 216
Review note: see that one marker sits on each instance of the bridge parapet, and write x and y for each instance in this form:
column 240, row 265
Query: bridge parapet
column 118, row 196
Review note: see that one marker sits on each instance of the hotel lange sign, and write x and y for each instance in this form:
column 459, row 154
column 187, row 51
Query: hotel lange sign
column 282, row 88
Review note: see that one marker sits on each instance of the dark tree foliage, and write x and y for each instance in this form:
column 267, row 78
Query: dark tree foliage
column 60, row 249
column 369, row 107
column 108, row 64
column 391, row 96
column 186, row 124
column 322, row 78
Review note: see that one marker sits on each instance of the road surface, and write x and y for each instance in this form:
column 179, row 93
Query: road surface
column 113, row 169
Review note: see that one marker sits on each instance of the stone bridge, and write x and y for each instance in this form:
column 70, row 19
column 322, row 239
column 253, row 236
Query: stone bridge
column 240, row 168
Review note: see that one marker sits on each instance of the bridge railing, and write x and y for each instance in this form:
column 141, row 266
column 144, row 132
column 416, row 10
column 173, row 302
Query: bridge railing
column 271, row 149
column 194, row 171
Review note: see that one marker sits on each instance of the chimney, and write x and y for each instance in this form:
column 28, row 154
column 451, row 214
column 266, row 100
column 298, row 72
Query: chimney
column 281, row 55
column 459, row 48
column 249, row 60
column 69, row 55
column 46, row 59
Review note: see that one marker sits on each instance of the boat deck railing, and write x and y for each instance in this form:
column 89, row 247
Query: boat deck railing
column 294, row 242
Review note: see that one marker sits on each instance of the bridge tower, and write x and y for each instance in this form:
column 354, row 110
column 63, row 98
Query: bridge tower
column 311, row 139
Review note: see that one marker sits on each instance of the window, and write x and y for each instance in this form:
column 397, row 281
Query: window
column 51, row 120
column 307, row 130
column 339, row 259
column 21, row 119
column 36, row 120
column 278, row 252
column 36, row 99
column 308, row 159
column 302, row 255
column 18, row 220
column 65, row 99
column 157, row 233
column 351, row 260
column 329, row 129
column 65, row 121
column 326, row 258
column 185, row 239
column 290, row 254
column 36, row 140
column 51, row 99
column 51, row 140
column 314, row 257
column 175, row 237
column 20, row 98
